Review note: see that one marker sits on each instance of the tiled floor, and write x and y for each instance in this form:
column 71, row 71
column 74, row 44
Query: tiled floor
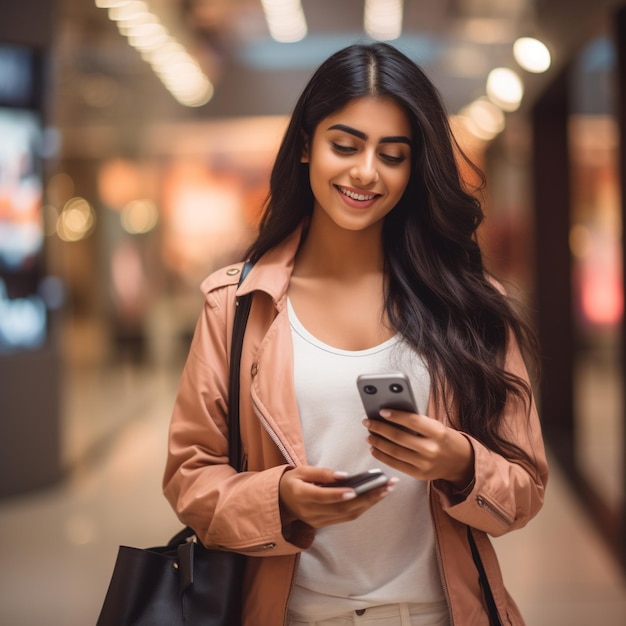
column 58, row 546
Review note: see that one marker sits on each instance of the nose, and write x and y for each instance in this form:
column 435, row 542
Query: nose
column 364, row 169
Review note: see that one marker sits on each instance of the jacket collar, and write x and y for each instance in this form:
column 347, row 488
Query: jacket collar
column 272, row 272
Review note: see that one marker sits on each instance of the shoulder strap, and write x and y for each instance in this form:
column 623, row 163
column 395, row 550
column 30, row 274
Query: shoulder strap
column 242, row 311
column 492, row 609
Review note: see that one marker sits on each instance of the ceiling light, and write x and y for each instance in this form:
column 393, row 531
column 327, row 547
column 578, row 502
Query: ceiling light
column 139, row 216
column 107, row 4
column 532, row 54
column 177, row 69
column 383, row 19
column 505, row 88
column 285, row 20
column 76, row 221
column 128, row 10
column 483, row 119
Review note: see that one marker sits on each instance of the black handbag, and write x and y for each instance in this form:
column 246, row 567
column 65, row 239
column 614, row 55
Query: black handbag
column 184, row 583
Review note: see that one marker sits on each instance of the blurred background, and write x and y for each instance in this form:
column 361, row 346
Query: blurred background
column 136, row 140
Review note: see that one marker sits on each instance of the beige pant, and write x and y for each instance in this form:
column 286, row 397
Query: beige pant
column 435, row 614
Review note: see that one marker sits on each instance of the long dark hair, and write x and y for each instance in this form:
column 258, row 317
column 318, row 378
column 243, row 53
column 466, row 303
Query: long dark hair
column 437, row 292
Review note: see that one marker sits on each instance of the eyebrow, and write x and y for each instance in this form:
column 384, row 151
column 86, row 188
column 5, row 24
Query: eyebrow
column 363, row 136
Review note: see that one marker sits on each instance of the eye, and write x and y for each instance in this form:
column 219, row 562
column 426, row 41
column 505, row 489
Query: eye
column 392, row 159
column 342, row 149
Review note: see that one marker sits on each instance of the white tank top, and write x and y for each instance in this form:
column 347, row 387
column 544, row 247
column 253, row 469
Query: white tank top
column 387, row 555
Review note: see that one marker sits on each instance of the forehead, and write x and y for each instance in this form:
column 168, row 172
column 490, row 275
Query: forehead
column 376, row 117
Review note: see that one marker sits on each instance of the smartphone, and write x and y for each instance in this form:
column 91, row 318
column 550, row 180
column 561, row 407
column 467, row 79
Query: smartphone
column 363, row 482
column 386, row 391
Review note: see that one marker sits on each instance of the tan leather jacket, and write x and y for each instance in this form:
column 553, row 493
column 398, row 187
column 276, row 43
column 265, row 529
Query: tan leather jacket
column 240, row 511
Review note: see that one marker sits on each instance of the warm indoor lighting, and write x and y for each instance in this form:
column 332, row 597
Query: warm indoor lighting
column 139, row 216
column 76, row 221
column 532, row 54
column 128, row 11
column 177, row 69
column 383, row 19
column 505, row 88
column 107, row 4
column 285, row 20
column 483, row 119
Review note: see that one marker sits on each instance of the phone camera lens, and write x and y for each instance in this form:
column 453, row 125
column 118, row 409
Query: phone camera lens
column 396, row 388
column 370, row 389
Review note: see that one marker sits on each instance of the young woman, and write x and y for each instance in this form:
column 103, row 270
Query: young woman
column 366, row 262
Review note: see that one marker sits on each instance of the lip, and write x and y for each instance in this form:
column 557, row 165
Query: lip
column 354, row 202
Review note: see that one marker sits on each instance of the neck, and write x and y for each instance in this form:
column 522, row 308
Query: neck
column 340, row 253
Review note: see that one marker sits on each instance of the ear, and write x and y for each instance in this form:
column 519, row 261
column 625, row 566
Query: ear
column 304, row 157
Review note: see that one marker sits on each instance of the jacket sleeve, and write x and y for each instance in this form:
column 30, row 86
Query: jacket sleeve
column 237, row 511
column 505, row 494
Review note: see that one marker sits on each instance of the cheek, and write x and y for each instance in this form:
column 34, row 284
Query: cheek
column 322, row 169
column 399, row 182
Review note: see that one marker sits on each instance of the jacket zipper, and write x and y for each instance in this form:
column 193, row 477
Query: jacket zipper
column 272, row 434
column 260, row 548
column 483, row 503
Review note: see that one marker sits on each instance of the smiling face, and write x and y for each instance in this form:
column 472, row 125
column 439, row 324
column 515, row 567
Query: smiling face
column 359, row 163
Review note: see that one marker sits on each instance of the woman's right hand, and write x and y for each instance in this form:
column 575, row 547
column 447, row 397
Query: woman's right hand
column 302, row 498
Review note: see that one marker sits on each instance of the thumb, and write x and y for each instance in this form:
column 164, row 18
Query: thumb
column 313, row 474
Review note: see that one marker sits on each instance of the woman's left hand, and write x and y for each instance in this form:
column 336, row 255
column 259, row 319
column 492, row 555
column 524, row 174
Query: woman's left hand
column 431, row 451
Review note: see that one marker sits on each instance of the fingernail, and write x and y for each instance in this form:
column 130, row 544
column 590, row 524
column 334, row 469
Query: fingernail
column 349, row 495
column 384, row 413
column 394, row 480
column 339, row 474
column 366, row 423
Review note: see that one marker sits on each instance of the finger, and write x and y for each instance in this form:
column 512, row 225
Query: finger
column 315, row 487
column 320, row 514
column 392, row 434
column 402, row 466
column 417, row 423
column 356, row 507
column 348, row 493
column 401, row 419
column 329, row 495
column 403, row 449
column 317, row 475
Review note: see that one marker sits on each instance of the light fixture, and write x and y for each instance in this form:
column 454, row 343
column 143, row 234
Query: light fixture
column 107, row 4
column 505, row 88
column 285, row 20
column 532, row 54
column 76, row 221
column 128, row 11
column 483, row 119
column 139, row 216
column 177, row 69
column 382, row 19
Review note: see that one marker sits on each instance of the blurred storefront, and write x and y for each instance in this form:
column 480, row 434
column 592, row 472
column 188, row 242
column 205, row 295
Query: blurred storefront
column 30, row 363
column 579, row 135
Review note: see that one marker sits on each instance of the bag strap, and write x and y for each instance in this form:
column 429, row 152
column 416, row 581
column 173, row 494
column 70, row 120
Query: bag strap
column 242, row 310
column 492, row 609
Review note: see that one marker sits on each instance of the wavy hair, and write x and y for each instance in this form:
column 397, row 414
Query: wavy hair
column 438, row 294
